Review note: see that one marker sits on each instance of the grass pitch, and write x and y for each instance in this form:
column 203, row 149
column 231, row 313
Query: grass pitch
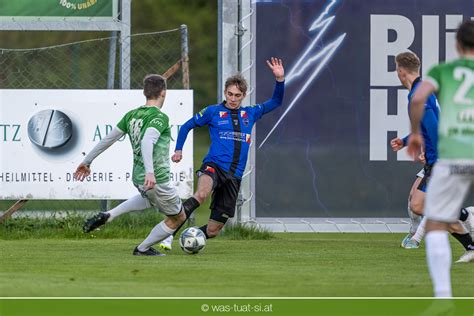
column 289, row 265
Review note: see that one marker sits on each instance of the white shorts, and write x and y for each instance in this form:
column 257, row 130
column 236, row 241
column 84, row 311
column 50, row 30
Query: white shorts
column 447, row 189
column 164, row 198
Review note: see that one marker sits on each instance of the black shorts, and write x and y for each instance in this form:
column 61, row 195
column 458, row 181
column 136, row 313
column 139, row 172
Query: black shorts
column 424, row 181
column 225, row 188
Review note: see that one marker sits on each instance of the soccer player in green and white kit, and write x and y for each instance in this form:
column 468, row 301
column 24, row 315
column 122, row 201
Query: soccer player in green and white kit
column 149, row 132
column 454, row 172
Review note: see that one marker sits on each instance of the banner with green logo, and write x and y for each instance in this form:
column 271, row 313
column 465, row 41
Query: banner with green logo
column 58, row 10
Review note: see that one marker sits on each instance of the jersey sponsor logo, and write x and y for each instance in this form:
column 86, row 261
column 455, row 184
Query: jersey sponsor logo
column 462, row 169
column 244, row 114
column 156, row 121
column 223, row 114
column 210, row 169
column 466, row 116
column 235, row 136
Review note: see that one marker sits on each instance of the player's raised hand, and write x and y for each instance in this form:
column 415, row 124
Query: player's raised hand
column 415, row 145
column 396, row 144
column 276, row 65
column 82, row 172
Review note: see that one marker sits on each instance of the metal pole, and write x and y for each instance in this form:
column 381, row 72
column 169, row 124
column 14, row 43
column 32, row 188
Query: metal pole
column 125, row 45
column 112, row 57
column 220, row 49
column 184, row 55
column 186, row 85
column 105, row 204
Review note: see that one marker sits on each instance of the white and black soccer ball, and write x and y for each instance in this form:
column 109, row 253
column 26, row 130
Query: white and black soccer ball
column 192, row 240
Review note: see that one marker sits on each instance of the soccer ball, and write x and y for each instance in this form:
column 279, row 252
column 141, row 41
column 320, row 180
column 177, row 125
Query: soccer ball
column 192, row 240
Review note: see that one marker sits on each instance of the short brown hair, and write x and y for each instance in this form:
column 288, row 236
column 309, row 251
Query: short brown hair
column 409, row 61
column 153, row 85
column 237, row 80
column 465, row 35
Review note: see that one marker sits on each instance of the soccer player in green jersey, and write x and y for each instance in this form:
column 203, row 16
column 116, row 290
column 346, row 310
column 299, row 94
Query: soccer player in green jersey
column 149, row 132
column 453, row 174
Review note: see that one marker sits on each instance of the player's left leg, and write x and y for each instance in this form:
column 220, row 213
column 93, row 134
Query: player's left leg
column 135, row 203
column 215, row 224
column 222, row 207
column 460, row 232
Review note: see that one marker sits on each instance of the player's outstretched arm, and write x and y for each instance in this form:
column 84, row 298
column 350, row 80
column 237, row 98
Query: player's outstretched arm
column 183, row 133
column 83, row 170
column 276, row 66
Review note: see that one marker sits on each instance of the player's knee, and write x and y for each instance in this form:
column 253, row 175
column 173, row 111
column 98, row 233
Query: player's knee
column 201, row 196
column 416, row 206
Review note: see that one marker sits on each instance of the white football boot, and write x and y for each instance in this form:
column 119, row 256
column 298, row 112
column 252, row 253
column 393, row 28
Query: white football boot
column 468, row 256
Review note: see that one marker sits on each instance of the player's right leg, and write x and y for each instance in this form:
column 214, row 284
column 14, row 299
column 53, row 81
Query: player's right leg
column 445, row 194
column 467, row 217
column 135, row 203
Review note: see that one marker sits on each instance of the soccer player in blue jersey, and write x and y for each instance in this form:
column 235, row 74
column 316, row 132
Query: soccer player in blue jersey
column 230, row 127
column 408, row 71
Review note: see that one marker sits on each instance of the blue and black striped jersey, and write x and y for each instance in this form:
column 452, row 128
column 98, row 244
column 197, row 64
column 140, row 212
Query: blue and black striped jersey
column 230, row 131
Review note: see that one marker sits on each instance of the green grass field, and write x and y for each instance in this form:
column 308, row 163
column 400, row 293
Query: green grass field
column 289, row 265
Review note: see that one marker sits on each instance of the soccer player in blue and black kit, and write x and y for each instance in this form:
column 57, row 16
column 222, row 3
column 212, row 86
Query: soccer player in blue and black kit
column 230, row 129
column 408, row 71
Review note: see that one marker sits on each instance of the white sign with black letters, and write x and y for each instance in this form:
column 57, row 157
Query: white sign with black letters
column 44, row 135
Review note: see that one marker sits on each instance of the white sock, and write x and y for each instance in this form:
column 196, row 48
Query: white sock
column 157, row 234
column 420, row 232
column 438, row 255
column 414, row 220
column 135, row 203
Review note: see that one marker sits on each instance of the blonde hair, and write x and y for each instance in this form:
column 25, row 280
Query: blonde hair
column 409, row 61
column 237, row 80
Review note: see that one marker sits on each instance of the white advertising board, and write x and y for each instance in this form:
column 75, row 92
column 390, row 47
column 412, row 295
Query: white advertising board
column 37, row 160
